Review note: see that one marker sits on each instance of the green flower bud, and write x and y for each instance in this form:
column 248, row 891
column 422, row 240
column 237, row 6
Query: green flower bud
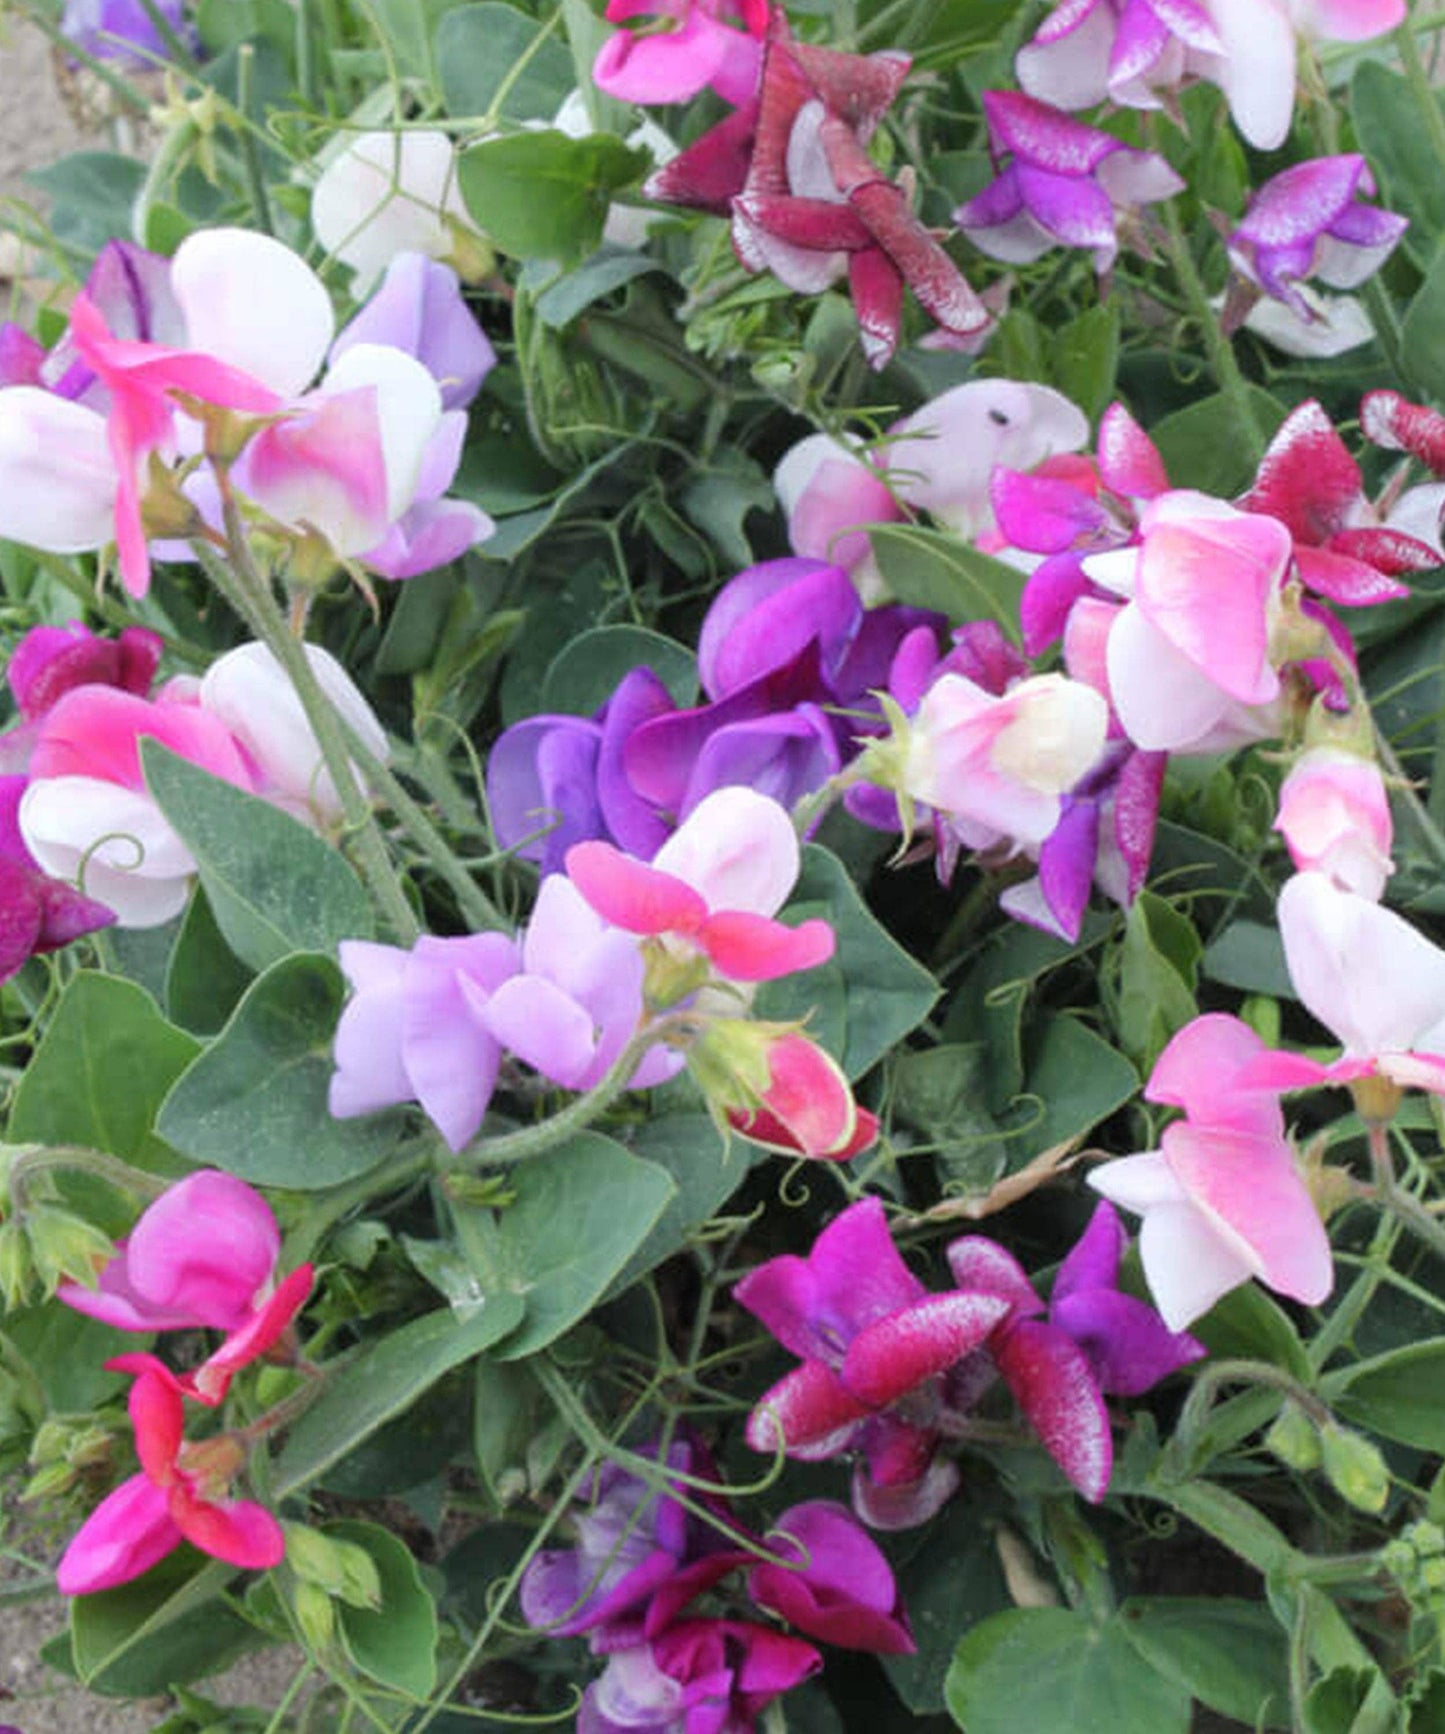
column 1354, row 1468
column 1293, row 1439
column 315, row 1615
column 63, row 1245
column 17, row 1272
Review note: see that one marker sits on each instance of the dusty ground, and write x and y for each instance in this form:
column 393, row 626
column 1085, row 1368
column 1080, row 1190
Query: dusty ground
column 35, row 128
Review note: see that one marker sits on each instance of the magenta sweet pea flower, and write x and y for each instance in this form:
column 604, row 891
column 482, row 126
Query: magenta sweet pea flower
column 50, row 660
column 840, row 1588
column 1094, row 1341
column 702, row 1676
column 1060, row 183
column 698, row 47
column 179, row 1495
column 37, row 912
column 1369, row 977
column 415, row 1029
column 1334, row 816
column 202, row 1257
column 1310, row 221
column 1221, row 1198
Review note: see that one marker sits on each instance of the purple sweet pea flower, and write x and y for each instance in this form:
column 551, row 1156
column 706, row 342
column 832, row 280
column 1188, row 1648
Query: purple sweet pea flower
column 420, row 310
column 1094, row 1340
column 1310, row 221
column 434, row 529
column 577, row 1000
column 854, row 1283
column 1063, row 184
column 415, row 1029
column 131, row 287
column 697, row 1677
column 123, row 30
column 21, row 355
column 542, row 788
column 37, row 913
column 839, row 1588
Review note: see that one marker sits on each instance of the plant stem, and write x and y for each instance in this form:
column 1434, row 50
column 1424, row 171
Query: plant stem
column 1426, row 101
column 37, row 1159
column 250, row 156
column 1403, row 1205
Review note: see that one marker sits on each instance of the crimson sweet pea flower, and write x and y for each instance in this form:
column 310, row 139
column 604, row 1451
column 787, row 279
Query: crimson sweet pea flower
column 179, row 1495
column 202, row 1257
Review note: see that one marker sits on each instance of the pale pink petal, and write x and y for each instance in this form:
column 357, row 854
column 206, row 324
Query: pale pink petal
column 737, row 849
column 1188, row 1264
column 1164, row 701
column 544, row 1027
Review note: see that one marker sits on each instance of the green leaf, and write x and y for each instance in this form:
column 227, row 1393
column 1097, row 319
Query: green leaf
column 1055, row 1672
column 943, row 1093
column 255, row 1102
column 1401, row 154
column 477, row 47
column 542, row 195
column 396, row 1642
column 1248, row 1324
column 1397, row 1394
column 369, row 1387
column 581, row 1212
column 1351, row 1701
column 409, row 29
column 870, row 994
column 573, row 293
column 1075, row 1081
column 585, row 673
column 223, row 24
column 101, row 1073
column 1250, row 956
column 65, row 1352
column 274, row 887
column 1230, row 1655
column 1157, row 967
column 951, row 1581
column 1422, row 335
column 1205, row 442
column 205, row 980
column 1084, row 358
column 93, row 194
column 160, row 1630
column 705, row 1168
column 931, row 569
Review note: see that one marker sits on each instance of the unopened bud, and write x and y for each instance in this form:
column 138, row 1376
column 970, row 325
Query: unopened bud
column 1377, row 1099
column 1294, row 1439
column 17, row 1273
column 315, row 1615
column 62, row 1245
column 1354, row 1468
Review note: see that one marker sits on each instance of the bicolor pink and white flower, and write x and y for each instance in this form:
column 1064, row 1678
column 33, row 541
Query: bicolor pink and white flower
column 182, row 1493
column 202, row 1257
column 1334, row 816
column 1221, row 1198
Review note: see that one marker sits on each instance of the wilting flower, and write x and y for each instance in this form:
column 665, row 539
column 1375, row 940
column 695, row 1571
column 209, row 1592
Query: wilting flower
column 698, row 49
column 388, row 193
column 1310, row 221
column 1369, row 977
column 1221, row 1198
column 809, row 204
column 1334, row 815
column 1062, row 184
column 1094, row 1341
column 181, row 1494
column 202, row 1257
column 415, row 1030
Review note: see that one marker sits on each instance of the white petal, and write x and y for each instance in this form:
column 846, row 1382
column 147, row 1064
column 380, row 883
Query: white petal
column 738, row 849
column 57, row 477
column 1163, row 701
column 112, row 843
column 1187, row 1265
column 387, row 193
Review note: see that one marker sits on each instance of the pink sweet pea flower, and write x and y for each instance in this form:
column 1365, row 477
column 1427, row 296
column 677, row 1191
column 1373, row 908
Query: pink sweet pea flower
column 179, row 1495
column 202, row 1257
column 1369, row 977
column 1189, row 658
column 1060, row 183
column 698, row 49
column 712, row 889
column 1334, row 815
column 416, row 1031
column 1310, row 221
column 87, row 812
column 1221, row 1198
column 806, row 1107
column 830, row 497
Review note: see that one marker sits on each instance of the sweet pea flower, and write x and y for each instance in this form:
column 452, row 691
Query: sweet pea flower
column 698, row 48
column 123, row 30
column 87, row 816
column 202, row 1257
column 38, row 913
column 698, row 1677
column 1094, row 1341
column 1190, row 661
column 1221, row 1198
column 854, row 1282
column 1310, row 221
column 1134, row 52
column 387, row 193
column 1371, row 979
column 775, row 1087
column 50, row 660
column 179, row 1495
column 248, row 691
column 1336, row 325
column 415, row 1030
column 418, row 308
column 576, row 1000
column 1397, row 425
column 830, row 496
column 712, row 889
column 1334, row 816
column 1062, row 185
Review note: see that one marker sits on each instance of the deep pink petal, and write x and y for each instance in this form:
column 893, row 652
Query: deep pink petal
column 631, row 895
column 122, row 1538
column 238, row 1531
column 1129, row 461
column 1051, row 1377
column 1203, row 1071
column 844, row 1593
column 888, row 1359
column 267, row 1325
column 747, row 947
column 982, row 1266
column 95, row 731
column 204, row 1248
column 158, row 1416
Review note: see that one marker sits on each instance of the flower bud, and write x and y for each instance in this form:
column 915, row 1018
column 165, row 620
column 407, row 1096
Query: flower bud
column 315, row 1615
column 1334, row 816
column 1354, row 1468
column 339, row 1568
column 1294, row 1440
column 64, row 1246
column 17, row 1272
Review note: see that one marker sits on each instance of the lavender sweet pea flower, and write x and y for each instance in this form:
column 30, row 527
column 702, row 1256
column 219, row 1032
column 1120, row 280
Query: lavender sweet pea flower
column 131, row 287
column 1061, row 183
column 542, row 788
column 415, row 1031
column 37, row 913
column 1310, row 221
column 123, row 30
column 419, row 309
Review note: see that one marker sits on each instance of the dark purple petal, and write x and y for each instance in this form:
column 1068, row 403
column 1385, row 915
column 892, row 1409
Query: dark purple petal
column 1052, row 1379
column 1066, row 865
column 1129, row 1346
column 21, row 917
column 784, row 757
column 763, row 618
column 1094, row 1261
column 20, row 355
column 1075, row 211
column 868, row 662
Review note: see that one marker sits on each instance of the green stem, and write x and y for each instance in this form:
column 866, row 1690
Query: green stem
column 36, row 1159
column 250, row 155
column 1232, row 384
column 472, row 901
column 537, row 1140
column 249, row 592
column 1418, row 78
column 1403, row 1205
